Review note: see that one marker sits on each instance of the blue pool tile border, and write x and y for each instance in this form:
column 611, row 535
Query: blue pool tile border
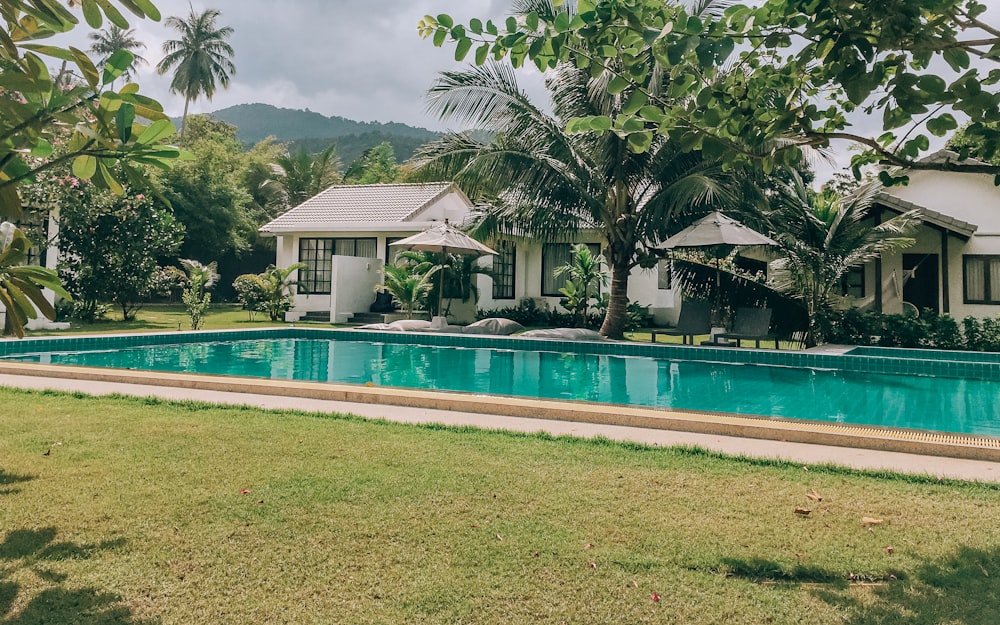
column 976, row 365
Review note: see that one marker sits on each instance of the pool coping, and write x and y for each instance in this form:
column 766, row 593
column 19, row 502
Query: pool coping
column 920, row 442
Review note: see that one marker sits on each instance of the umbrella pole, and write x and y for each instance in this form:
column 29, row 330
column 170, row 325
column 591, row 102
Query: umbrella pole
column 444, row 255
column 718, row 291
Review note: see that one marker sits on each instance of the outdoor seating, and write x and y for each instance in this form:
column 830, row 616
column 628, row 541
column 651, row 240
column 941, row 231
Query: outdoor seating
column 751, row 324
column 695, row 319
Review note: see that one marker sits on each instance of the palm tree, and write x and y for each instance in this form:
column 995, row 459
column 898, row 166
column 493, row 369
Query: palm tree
column 546, row 183
column 303, row 175
column 109, row 41
column 822, row 236
column 200, row 58
column 586, row 277
column 407, row 285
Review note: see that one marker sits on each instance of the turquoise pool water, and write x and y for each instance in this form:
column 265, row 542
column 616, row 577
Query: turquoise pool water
column 948, row 404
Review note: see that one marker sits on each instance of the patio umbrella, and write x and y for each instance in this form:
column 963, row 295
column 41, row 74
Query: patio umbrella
column 444, row 239
column 718, row 231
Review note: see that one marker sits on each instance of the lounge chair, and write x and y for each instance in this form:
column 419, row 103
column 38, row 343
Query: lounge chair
column 751, row 324
column 696, row 318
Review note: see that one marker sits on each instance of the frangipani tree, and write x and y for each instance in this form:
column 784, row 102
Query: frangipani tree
column 794, row 70
column 107, row 136
column 21, row 285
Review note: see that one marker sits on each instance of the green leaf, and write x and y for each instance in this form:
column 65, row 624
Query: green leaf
column 511, row 24
column 439, row 36
column 10, row 202
column 116, row 65
column 124, row 119
column 635, row 101
column 601, row 123
column 86, row 67
column 41, row 149
column 640, row 142
column 476, row 26
column 462, row 49
column 445, row 20
column 957, row 58
column 92, row 14
column 114, row 15
column 935, row 85
column 84, row 166
column 54, row 51
column 561, row 23
column 156, row 131
column 618, row 84
column 481, row 53
column 531, row 21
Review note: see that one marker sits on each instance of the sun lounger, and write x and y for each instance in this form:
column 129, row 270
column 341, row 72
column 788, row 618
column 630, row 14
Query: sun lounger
column 751, row 324
column 696, row 318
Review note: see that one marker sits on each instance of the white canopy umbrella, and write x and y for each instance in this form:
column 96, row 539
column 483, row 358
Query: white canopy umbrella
column 444, row 239
column 718, row 231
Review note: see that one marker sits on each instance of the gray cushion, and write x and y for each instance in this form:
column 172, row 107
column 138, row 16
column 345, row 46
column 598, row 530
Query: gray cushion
column 564, row 334
column 496, row 326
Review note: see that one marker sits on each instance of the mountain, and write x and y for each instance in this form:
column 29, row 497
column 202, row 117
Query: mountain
column 315, row 132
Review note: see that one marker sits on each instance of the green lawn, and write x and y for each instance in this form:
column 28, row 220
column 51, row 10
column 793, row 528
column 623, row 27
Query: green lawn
column 171, row 317
column 154, row 512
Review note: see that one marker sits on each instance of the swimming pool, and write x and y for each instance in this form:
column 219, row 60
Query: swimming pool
column 943, row 396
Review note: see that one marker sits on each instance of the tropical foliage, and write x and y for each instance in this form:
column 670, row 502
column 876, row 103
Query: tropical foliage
column 537, row 179
column 107, row 43
column 45, row 123
column 269, row 291
column 21, row 285
column 302, row 175
column 585, row 277
column 408, row 285
column 110, row 244
column 821, row 237
column 196, row 296
column 201, row 59
column 801, row 67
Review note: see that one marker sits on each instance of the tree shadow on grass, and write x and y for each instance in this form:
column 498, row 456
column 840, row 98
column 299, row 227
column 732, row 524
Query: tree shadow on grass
column 36, row 550
column 760, row 570
column 963, row 589
column 7, row 479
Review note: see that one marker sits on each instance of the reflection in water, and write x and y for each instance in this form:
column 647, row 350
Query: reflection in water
column 943, row 404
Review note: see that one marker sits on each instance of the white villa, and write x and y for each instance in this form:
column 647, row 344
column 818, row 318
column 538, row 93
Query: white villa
column 343, row 235
column 954, row 267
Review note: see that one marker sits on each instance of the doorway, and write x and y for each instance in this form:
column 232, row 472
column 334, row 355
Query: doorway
column 921, row 286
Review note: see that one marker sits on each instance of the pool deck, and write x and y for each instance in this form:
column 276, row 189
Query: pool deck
column 857, row 447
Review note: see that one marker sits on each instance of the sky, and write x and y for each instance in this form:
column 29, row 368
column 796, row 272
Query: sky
column 358, row 59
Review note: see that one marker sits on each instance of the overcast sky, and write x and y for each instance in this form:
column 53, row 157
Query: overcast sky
column 359, row 59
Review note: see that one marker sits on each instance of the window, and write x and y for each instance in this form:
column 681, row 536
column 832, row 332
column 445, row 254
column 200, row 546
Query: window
column 981, row 277
column 503, row 270
column 391, row 252
column 555, row 255
column 853, row 283
column 315, row 254
column 363, row 248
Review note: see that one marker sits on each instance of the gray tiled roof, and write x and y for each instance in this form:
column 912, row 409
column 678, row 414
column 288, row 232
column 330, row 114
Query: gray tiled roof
column 956, row 226
column 365, row 203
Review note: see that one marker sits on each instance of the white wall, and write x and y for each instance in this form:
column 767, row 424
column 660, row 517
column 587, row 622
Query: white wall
column 972, row 198
column 353, row 286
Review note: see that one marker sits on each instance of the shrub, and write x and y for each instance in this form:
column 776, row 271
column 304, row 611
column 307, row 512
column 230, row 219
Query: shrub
column 250, row 293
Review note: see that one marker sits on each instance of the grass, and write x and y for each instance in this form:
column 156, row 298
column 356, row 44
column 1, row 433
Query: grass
column 148, row 511
column 171, row 318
